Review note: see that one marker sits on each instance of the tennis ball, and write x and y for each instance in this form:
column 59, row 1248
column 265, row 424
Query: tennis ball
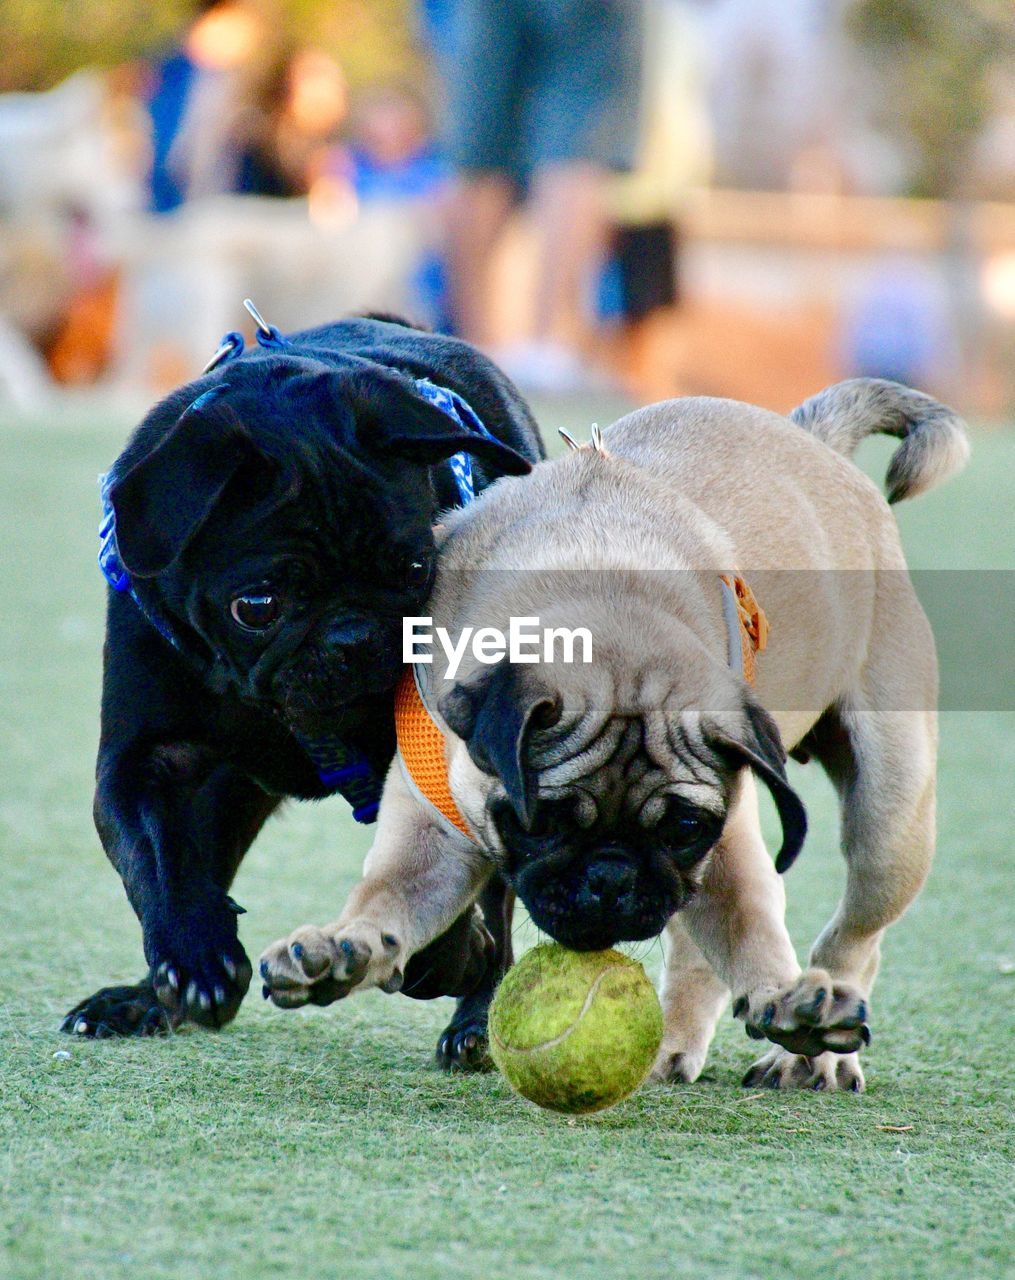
column 575, row 1031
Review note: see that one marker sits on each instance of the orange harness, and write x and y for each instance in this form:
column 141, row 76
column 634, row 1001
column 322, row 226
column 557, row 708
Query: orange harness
column 421, row 742
column 421, row 746
column 753, row 625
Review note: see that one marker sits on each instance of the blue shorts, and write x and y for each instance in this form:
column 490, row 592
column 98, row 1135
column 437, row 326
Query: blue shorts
column 538, row 82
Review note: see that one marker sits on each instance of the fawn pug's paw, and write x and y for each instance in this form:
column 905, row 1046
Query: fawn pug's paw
column 812, row 1016
column 320, row 965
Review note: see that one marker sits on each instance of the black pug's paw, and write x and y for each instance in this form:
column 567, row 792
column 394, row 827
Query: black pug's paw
column 207, row 988
column 199, row 971
column 455, row 964
column 120, row 1011
column 462, row 962
column 463, row 1044
column 204, row 986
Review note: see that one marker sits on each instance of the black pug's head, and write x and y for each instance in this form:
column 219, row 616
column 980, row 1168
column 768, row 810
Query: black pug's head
column 600, row 816
column 283, row 525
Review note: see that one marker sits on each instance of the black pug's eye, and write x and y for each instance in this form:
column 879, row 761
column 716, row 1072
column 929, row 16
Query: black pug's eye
column 417, row 573
column 257, row 611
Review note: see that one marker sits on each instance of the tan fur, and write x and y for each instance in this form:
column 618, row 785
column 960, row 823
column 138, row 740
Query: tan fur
column 688, row 489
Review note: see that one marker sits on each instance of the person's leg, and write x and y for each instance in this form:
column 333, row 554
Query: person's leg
column 568, row 210
column 478, row 210
column 484, row 80
column 581, row 121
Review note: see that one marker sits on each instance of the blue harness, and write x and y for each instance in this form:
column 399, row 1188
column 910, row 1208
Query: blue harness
column 340, row 768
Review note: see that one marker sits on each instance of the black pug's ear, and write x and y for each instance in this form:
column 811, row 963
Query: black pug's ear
column 162, row 501
column 493, row 716
column 392, row 417
column 762, row 749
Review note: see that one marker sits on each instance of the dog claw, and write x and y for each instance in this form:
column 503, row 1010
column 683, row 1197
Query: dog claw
column 813, row 1011
column 462, row 1051
column 826, row 1072
column 808, row 1018
column 155, row 1022
column 144, row 1009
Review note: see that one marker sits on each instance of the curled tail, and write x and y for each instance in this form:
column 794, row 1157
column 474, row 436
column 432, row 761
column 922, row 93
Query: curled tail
column 934, row 442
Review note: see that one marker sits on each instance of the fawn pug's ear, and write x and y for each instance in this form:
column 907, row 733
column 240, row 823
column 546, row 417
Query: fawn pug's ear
column 759, row 745
column 494, row 714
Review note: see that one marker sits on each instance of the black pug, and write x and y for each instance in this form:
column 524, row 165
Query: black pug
column 267, row 528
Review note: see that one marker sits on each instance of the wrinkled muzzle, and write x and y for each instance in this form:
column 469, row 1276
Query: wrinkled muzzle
column 339, row 664
column 598, row 899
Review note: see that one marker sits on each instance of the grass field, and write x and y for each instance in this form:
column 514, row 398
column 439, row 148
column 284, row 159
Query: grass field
column 324, row 1143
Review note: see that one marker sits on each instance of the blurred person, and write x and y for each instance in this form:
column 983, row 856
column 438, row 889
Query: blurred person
column 264, row 128
column 285, row 120
column 641, row 279
column 896, row 326
column 543, row 101
column 189, row 84
column 392, row 151
column 393, row 157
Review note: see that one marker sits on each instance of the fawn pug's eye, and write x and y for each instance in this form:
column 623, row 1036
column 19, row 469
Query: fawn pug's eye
column 546, row 714
column 688, row 833
column 256, row 611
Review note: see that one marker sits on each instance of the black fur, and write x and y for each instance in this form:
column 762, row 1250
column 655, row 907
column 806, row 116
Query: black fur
column 317, row 472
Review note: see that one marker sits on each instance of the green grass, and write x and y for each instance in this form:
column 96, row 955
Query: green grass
column 325, row 1143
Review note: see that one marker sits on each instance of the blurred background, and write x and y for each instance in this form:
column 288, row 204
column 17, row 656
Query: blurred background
column 651, row 197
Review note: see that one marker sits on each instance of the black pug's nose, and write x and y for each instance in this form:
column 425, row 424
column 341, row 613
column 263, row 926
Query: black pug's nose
column 609, row 879
column 346, row 633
